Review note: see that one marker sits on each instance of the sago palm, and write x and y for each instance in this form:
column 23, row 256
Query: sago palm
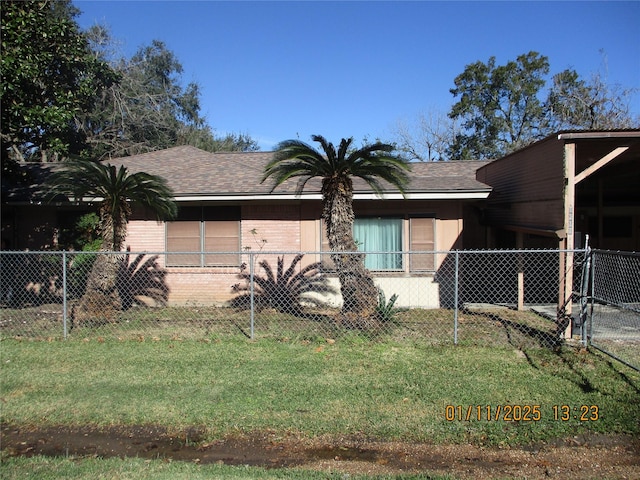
column 337, row 167
column 114, row 190
column 284, row 290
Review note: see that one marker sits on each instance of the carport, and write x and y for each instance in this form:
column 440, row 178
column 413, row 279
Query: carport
column 558, row 192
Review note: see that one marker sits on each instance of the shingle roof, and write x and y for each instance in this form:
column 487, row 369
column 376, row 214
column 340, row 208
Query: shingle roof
column 191, row 171
column 195, row 173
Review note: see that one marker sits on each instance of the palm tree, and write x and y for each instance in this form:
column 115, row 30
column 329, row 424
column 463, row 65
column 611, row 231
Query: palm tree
column 114, row 190
column 372, row 163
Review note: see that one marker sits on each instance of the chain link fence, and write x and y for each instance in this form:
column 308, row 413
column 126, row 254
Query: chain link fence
column 500, row 297
column 613, row 324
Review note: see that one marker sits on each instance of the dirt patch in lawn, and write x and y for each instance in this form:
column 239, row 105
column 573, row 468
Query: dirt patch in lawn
column 581, row 457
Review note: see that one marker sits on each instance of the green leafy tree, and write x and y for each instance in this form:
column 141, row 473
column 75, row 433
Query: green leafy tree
column 499, row 107
column 502, row 108
column 148, row 109
column 65, row 93
column 337, row 168
column 49, row 73
column 205, row 139
column 114, row 190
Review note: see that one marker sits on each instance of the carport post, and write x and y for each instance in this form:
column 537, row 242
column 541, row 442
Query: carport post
column 566, row 257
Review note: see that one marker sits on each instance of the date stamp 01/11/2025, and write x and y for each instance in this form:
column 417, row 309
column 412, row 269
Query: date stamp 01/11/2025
column 521, row 413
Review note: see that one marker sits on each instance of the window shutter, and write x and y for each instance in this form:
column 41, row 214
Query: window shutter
column 222, row 236
column 183, row 237
column 422, row 239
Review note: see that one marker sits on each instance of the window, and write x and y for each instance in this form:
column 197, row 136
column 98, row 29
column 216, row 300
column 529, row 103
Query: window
column 422, row 239
column 387, row 235
column 204, row 236
column 380, row 235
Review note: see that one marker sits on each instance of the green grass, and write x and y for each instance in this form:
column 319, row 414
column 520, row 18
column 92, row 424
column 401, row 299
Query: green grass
column 627, row 351
column 382, row 390
column 139, row 469
column 427, row 326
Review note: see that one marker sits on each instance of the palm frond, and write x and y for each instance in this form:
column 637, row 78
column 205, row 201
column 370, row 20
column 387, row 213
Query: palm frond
column 292, row 159
column 390, row 168
column 345, row 143
column 114, row 188
column 80, row 179
column 329, row 149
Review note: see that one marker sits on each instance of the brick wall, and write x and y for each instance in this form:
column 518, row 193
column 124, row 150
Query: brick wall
column 146, row 236
column 278, row 225
column 265, row 228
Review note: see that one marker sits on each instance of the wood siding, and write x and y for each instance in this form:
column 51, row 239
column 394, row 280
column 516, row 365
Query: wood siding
column 528, row 188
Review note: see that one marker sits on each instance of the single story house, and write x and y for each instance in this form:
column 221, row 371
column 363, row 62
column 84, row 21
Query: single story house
column 224, row 210
column 550, row 194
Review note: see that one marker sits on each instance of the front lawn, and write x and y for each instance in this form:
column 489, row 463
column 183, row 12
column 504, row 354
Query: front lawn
column 381, row 390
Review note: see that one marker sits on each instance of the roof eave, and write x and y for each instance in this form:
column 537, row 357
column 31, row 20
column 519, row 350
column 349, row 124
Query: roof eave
column 450, row 195
column 604, row 134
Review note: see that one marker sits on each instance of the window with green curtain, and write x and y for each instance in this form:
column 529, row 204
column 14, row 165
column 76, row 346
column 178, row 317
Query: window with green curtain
column 380, row 235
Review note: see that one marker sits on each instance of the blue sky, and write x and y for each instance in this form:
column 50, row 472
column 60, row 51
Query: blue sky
column 281, row 70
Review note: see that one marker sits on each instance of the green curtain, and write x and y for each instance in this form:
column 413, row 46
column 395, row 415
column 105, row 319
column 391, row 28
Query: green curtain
column 380, row 235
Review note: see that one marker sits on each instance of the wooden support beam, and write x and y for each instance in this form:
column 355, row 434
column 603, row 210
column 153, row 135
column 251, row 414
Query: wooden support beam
column 519, row 246
column 566, row 258
column 599, row 164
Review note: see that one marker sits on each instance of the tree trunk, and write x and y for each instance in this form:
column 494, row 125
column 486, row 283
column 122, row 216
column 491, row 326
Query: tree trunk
column 101, row 300
column 359, row 293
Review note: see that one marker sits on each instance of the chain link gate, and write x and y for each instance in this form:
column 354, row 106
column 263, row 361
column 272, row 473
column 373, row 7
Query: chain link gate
column 484, row 297
column 613, row 321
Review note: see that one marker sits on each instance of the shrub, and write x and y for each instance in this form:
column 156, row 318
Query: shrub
column 283, row 290
column 387, row 311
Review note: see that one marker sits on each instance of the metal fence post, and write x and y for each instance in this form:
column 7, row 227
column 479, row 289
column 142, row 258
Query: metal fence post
column 64, row 294
column 589, row 326
column 584, row 294
column 251, row 293
column 455, row 298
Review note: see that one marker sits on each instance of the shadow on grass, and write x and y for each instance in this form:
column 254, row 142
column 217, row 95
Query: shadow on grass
column 572, row 360
column 623, row 377
column 543, row 338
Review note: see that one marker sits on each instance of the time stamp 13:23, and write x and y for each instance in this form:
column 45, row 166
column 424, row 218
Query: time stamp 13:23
column 521, row 413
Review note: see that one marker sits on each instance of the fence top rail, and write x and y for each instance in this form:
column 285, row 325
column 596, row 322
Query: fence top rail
column 310, row 252
column 617, row 252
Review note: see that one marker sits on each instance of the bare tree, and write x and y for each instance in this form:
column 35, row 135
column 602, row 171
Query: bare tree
column 427, row 138
column 592, row 104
